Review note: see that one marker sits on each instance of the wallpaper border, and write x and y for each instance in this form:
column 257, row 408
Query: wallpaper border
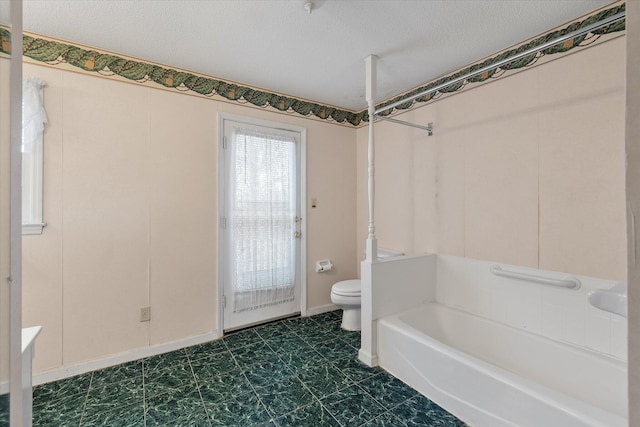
column 54, row 52
column 527, row 61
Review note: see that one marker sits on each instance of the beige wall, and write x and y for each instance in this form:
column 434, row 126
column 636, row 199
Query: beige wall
column 130, row 202
column 526, row 170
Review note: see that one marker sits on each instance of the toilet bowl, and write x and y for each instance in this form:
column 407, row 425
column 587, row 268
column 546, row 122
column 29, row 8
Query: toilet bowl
column 347, row 295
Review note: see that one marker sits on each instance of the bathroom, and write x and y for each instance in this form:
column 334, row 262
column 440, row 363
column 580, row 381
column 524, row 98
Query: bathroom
column 515, row 182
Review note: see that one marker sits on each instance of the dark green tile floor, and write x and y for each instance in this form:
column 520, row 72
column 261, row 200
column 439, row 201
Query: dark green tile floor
column 294, row 372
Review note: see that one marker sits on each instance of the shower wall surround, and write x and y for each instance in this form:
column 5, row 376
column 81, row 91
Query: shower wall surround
column 527, row 170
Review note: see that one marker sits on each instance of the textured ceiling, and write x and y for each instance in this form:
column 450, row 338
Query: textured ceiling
column 277, row 45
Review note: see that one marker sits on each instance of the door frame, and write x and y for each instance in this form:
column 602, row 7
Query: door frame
column 222, row 117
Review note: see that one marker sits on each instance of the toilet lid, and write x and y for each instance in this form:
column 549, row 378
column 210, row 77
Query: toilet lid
column 347, row 288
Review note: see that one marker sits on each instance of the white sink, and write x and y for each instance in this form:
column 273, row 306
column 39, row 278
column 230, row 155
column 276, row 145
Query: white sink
column 613, row 300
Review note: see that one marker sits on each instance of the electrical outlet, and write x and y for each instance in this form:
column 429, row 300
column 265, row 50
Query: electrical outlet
column 145, row 314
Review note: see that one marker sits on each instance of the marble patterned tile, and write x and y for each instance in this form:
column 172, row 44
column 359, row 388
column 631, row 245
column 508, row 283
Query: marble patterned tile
column 301, row 324
column 273, row 330
column 196, row 419
column 313, row 415
column 215, row 363
column 287, row 343
column 324, row 380
column 252, row 353
column 60, row 412
column 206, row 349
column 165, row 360
column 224, row 386
column 387, row 390
column 284, row 396
column 242, row 411
column 355, row 369
column 236, row 340
column 163, row 380
column 335, row 349
column 45, row 393
column 386, row 420
column 352, row 406
column 4, row 410
column 319, row 336
column 350, row 337
column 290, row 364
column 267, row 372
column 163, row 408
column 300, row 361
column 422, row 412
column 329, row 316
column 117, row 373
column 122, row 415
column 107, row 397
column 328, row 326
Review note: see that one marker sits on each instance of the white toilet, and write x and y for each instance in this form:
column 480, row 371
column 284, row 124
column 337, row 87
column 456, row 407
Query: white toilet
column 346, row 295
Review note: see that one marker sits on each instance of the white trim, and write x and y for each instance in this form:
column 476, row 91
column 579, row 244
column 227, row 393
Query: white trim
column 221, row 210
column 321, row 309
column 303, row 226
column 28, row 229
column 129, row 356
column 18, row 413
column 368, row 358
column 303, row 203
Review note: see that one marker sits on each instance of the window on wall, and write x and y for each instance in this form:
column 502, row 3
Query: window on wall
column 33, row 121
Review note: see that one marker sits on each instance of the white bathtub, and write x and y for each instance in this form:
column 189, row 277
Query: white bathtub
column 489, row 374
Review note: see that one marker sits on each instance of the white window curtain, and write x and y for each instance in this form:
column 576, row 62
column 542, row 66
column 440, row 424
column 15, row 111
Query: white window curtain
column 262, row 219
column 34, row 118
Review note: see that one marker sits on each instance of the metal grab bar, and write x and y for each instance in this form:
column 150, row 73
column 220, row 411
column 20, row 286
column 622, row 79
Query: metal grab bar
column 567, row 282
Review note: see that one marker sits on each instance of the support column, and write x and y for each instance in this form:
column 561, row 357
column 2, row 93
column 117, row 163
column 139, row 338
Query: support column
column 369, row 348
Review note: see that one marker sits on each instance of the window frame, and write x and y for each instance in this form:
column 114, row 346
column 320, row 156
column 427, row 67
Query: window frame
column 32, row 189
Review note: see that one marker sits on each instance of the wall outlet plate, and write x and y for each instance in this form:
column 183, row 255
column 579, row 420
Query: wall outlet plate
column 145, row 314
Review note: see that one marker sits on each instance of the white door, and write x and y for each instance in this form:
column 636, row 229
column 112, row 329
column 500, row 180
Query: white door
column 261, row 223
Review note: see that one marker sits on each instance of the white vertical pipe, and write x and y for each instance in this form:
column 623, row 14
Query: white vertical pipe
column 371, row 60
column 632, row 153
column 15, row 252
column 368, row 333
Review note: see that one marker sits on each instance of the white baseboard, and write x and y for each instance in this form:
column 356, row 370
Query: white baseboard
column 321, row 309
column 368, row 358
column 81, row 368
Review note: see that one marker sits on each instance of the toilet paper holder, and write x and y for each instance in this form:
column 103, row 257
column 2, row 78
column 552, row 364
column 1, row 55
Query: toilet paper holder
column 323, row 265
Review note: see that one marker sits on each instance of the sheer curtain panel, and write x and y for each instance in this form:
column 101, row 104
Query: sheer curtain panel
column 262, row 218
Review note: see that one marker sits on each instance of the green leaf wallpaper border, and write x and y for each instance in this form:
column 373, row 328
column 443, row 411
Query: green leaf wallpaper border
column 527, row 61
column 54, row 52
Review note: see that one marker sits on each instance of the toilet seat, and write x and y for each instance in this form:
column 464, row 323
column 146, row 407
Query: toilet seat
column 347, row 288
